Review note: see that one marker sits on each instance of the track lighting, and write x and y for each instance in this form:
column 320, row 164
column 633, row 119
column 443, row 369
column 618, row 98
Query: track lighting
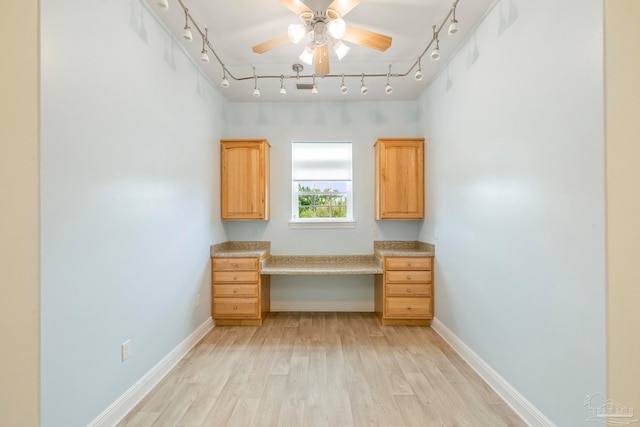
column 435, row 55
column 418, row 75
column 256, row 91
column 186, row 33
column 343, row 89
column 204, row 56
column 283, row 91
column 331, row 32
column 296, row 32
column 225, row 80
column 453, row 27
column 388, row 89
column 163, row 4
column 363, row 89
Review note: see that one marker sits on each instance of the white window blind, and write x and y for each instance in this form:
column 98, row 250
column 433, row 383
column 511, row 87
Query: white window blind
column 321, row 161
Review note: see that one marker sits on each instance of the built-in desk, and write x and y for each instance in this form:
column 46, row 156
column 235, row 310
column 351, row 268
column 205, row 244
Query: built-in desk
column 321, row 265
column 402, row 270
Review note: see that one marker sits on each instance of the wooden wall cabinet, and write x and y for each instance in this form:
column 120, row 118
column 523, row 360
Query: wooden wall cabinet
column 240, row 295
column 399, row 178
column 404, row 292
column 244, row 181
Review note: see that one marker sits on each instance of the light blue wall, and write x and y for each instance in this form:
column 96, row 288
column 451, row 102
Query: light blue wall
column 362, row 123
column 129, row 201
column 515, row 190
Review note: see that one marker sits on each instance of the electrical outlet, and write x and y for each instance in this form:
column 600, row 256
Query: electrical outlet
column 198, row 300
column 125, row 350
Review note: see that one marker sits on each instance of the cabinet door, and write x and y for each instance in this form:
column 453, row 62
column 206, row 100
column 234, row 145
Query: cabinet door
column 244, row 179
column 399, row 179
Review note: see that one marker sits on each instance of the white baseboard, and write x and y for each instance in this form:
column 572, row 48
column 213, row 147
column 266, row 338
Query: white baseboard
column 356, row 306
column 525, row 410
column 130, row 398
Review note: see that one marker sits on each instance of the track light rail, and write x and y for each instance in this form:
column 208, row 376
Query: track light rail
column 298, row 76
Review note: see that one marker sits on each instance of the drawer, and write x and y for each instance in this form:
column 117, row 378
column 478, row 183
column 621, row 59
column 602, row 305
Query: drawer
column 235, row 290
column 234, row 264
column 416, row 276
column 408, row 307
column 235, row 307
column 235, row 277
column 408, row 263
column 411, row 289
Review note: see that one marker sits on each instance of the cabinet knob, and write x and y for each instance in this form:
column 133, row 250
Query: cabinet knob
column 235, row 291
column 409, row 290
column 408, row 264
column 235, row 307
column 408, row 277
column 408, row 307
column 234, row 265
column 235, row 277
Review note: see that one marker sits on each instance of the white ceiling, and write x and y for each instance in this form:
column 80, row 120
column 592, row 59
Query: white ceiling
column 237, row 25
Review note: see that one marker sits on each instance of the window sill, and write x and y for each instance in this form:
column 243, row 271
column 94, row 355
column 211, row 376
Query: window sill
column 321, row 224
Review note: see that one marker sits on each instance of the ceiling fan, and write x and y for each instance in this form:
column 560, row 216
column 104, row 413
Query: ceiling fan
column 323, row 27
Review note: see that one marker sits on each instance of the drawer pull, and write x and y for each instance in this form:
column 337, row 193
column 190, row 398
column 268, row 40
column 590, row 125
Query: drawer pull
column 235, row 291
column 408, row 277
column 234, row 265
column 235, row 277
column 409, row 307
column 408, row 264
column 235, row 307
column 409, row 290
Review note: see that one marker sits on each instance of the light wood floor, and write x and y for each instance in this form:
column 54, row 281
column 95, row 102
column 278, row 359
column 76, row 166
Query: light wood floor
column 322, row 369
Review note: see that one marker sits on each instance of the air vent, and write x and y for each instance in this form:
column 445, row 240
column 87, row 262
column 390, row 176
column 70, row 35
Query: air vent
column 304, row 86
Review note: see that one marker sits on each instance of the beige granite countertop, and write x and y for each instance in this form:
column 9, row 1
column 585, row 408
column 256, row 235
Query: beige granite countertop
column 403, row 248
column 322, row 265
column 241, row 249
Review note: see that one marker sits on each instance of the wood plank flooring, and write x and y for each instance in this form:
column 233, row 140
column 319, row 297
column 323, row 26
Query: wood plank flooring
column 322, row 369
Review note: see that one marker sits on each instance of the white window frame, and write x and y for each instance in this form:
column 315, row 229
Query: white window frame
column 295, row 221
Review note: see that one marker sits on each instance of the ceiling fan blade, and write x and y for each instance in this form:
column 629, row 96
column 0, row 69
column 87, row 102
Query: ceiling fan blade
column 296, row 6
column 270, row 44
column 367, row 38
column 343, row 6
column 321, row 58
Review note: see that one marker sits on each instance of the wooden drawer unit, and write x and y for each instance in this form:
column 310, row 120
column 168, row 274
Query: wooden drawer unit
column 239, row 294
column 404, row 292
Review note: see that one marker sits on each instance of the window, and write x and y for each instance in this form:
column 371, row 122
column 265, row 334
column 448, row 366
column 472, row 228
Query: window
column 321, row 183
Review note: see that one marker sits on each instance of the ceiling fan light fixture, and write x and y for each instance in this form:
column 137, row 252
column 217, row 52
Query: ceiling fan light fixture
column 337, row 28
column 163, row 4
column 307, row 55
column 296, row 33
column 340, row 49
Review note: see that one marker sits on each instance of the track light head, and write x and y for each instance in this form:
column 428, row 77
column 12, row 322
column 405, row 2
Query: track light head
column 343, row 89
column 225, row 82
column 256, row 93
column 283, row 91
column 204, row 56
column 186, row 33
column 418, row 75
column 163, row 4
column 453, row 27
column 435, row 55
column 388, row 89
